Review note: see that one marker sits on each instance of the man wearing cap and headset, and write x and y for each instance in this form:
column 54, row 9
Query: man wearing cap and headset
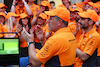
column 58, row 50
column 89, row 41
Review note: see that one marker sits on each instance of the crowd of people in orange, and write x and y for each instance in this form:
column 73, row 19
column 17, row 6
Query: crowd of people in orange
column 62, row 36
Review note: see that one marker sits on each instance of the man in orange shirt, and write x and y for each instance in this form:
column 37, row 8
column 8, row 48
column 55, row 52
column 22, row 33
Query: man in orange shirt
column 58, row 50
column 89, row 41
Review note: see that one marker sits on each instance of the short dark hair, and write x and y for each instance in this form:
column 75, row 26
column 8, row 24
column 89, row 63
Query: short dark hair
column 58, row 18
column 46, row 8
column 52, row 2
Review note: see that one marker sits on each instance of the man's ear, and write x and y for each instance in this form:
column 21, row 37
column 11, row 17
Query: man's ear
column 91, row 22
column 60, row 22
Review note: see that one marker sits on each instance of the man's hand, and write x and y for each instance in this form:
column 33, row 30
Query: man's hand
column 28, row 37
column 39, row 33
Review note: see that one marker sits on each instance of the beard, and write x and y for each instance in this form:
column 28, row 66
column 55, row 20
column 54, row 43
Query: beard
column 83, row 26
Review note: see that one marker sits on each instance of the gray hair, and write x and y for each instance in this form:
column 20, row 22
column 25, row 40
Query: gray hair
column 58, row 18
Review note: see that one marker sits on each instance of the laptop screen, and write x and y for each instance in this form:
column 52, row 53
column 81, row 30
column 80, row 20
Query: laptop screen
column 9, row 51
column 9, row 46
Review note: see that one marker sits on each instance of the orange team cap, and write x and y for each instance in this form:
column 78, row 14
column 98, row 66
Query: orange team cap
column 91, row 3
column 76, row 9
column 43, row 16
column 89, row 14
column 12, row 14
column 2, row 14
column 98, row 2
column 24, row 15
column 45, row 3
column 2, row 5
column 61, row 12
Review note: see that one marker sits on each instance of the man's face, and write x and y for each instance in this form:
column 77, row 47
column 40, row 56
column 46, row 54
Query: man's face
column 76, row 16
column 84, row 23
column 53, row 23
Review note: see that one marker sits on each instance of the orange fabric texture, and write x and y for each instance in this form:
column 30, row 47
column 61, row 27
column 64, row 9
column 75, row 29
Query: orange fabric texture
column 77, row 9
column 81, row 5
column 33, row 8
column 24, row 44
column 11, row 14
column 1, row 35
column 88, row 43
column 4, row 29
column 2, row 14
column 61, row 12
column 72, row 26
column 66, row 53
column 2, row 5
column 79, row 33
column 23, row 15
column 43, row 16
column 18, row 11
column 45, row 3
column 89, row 14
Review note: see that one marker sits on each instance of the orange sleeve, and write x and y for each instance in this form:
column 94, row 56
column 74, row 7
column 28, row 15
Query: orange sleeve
column 4, row 29
column 47, row 51
column 98, row 48
column 91, row 46
column 23, row 44
column 1, row 35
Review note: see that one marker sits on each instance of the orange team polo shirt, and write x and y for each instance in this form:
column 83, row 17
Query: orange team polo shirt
column 59, row 50
column 18, row 11
column 1, row 35
column 88, row 44
column 72, row 26
column 33, row 8
column 81, row 5
column 4, row 29
column 79, row 33
column 99, row 26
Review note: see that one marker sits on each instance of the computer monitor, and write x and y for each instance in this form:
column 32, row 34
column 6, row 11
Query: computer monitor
column 9, row 51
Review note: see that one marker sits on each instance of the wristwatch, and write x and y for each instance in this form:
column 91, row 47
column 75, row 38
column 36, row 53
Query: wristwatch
column 28, row 43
